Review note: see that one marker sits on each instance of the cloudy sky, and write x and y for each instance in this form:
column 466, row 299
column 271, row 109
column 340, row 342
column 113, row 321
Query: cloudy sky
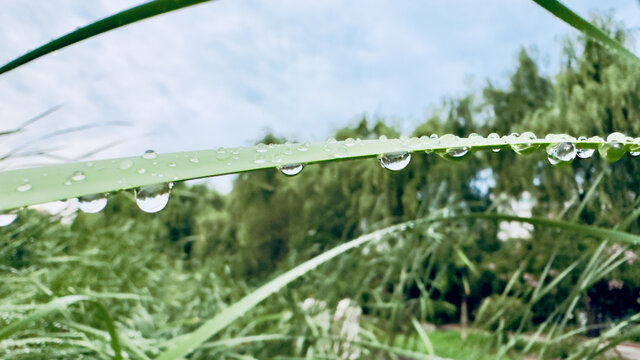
column 225, row 72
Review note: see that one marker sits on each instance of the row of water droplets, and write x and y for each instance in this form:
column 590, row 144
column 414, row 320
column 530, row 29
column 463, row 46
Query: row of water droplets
column 153, row 198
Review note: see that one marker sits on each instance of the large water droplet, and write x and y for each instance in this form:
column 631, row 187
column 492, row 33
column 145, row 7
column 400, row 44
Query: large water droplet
column 350, row 142
column 291, row 169
column 24, row 187
column 78, row 176
column 92, row 204
column 616, row 136
column 395, row 161
column 150, row 155
column 611, row 150
column 222, row 154
column 494, row 136
column 153, row 198
column 7, row 218
column 194, row 160
column 561, row 153
column 261, row 148
column 584, row 152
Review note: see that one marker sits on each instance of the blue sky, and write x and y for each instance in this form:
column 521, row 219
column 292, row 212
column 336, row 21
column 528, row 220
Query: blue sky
column 225, row 72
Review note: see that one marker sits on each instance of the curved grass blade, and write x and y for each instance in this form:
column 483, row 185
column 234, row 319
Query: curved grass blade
column 51, row 183
column 565, row 14
column 141, row 12
column 185, row 344
column 56, row 305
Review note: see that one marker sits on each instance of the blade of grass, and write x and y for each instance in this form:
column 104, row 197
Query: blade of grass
column 423, row 336
column 48, row 183
column 565, row 14
column 138, row 13
column 185, row 344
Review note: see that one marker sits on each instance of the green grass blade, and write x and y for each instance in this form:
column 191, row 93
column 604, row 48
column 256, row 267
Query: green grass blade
column 51, row 183
column 423, row 336
column 185, row 344
column 141, row 12
column 43, row 311
column 573, row 19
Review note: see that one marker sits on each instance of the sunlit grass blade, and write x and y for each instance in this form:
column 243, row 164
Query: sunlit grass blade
column 573, row 19
column 55, row 182
column 183, row 345
column 141, row 12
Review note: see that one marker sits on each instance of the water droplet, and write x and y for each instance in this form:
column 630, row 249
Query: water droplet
column 153, row 198
column 331, row 140
column 172, row 164
column 616, row 136
column 141, row 171
column 24, row 187
column 291, row 169
column 78, row 176
column 395, row 161
column 611, row 150
column 561, row 153
column 276, row 158
column 449, row 140
column 261, row 148
column 68, row 183
column 634, row 153
column 125, row 164
column 433, row 136
column 150, row 155
column 455, row 153
column 7, row 218
column 194, row 160
column 494, row 136
column 303, row 147
column 222, row 154
column 525, row 149
column 92, row 204
column 382, row 138
column 350, row 142
column 583, row 152
column 259, row 159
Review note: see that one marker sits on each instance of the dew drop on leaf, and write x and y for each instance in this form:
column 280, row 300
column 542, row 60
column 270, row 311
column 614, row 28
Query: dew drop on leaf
column 261, row 148
column 456, row 153
column 24, row 187
column 611, row 150
column 141, row 171
column 561, row 153
column 350, row 142
column 395, row 161
column 291, row 169
column 194, row 160
column 7, row 218
column 584, row 153
column 92, row 204
column 150, row 155
column 172, row 164
column 125, row 164
column 78, row 176
column 153, row 198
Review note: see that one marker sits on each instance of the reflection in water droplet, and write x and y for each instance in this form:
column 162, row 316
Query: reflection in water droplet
column 92, row 204
column 291, row 169
column 150, row 155
column 395, row 161
column 561, row 153
column 194, row 160
column 616, row 136
column 153, row 198
column 78, row 176
column 7, row 218
column 125, row 164
column 635, row 153
column 494, row 136
column 611, row 150
column 24, row 187
column 350, row 142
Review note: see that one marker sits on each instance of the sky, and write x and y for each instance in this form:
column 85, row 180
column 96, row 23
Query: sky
column 224, row 73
